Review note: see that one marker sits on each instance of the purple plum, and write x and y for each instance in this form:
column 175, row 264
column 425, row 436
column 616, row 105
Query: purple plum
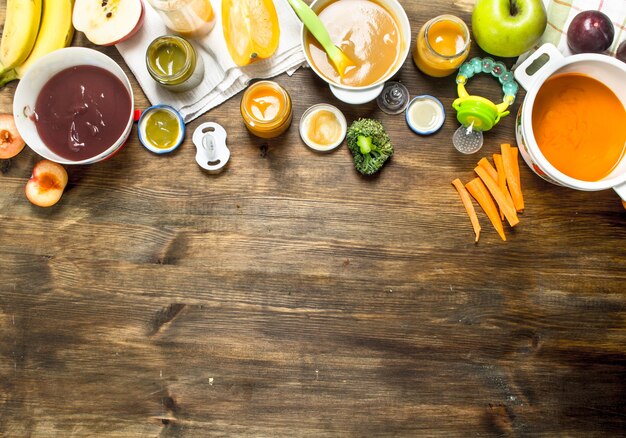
column 590, row 32
column 621, row 51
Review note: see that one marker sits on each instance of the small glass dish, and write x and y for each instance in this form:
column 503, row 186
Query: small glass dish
column 174, row 138
column 323, row 114
column 425, row 115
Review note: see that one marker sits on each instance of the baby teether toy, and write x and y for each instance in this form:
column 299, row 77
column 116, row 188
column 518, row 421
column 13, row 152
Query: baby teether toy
column 475, row 113
column 211, row 151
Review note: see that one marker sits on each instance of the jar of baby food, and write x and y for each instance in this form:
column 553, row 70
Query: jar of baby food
column 266, row 109
column 443, row 43
column 189, row 18
column 173, row 62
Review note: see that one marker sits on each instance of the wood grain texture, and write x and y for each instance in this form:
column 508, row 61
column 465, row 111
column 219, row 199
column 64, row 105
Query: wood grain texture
column 288, row 296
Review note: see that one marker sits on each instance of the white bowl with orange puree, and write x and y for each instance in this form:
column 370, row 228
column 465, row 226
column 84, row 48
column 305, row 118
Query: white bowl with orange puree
column 571, row 128
column 375, row 35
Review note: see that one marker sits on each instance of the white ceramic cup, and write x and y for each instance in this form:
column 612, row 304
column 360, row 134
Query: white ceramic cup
column 603, row 68
column 39, row 74
column 367, row 93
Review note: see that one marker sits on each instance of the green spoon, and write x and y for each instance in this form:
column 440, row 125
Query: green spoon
column 316, row 27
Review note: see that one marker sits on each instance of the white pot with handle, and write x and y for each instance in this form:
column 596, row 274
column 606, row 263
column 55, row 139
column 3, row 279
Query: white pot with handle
column 604, row 69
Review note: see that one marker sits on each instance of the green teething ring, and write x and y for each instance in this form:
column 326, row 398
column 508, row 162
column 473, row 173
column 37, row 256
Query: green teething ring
column 478, row 112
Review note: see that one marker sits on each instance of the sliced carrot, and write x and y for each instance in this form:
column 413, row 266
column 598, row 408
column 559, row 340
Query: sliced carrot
column 508, row 210
column 485, row 164
column 478, row 190
column 515, row 161
column 511, row 170
column 469, row 207
column 624, row 204
column 497, row 158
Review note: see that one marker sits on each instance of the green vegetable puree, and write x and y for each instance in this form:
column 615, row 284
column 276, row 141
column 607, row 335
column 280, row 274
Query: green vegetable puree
column 162, row 129
column 169, row 59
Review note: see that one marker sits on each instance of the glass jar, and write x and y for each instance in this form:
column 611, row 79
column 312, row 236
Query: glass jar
column 443, row 43
column 173, row 62
column 189, row 18
column 266, row 109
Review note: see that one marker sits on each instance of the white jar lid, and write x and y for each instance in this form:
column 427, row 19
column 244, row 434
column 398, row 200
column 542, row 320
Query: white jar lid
column 425, row 115
column 305, row 121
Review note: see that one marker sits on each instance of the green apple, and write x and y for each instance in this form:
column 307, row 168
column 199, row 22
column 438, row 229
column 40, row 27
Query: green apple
column 508, row 28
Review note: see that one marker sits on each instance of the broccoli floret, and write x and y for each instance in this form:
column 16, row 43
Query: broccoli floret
column 370, row 145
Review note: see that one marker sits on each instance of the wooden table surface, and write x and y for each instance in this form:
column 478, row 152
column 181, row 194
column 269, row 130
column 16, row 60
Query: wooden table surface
column 289, row 296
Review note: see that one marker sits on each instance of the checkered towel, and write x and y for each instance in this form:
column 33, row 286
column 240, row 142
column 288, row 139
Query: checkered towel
column 561, row 13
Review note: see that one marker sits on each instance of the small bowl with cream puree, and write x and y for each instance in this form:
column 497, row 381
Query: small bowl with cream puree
column 374, row 34
column 323, row 127
column 74, row 106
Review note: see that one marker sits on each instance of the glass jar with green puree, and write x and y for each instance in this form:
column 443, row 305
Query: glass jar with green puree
column 174, row 63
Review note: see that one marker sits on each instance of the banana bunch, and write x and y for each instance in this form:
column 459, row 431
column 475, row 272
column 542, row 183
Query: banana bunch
column 32, row 29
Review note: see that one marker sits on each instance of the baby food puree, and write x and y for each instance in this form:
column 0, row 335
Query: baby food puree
column 367, row 33
column 81, row 112
column 442, row 46
column 580, row 126
column 266, row 109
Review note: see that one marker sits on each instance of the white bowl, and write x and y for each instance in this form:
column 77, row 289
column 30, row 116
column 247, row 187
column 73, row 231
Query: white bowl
column 366, row 93
column 604, row 69
column 304, row 126
column 39, row 74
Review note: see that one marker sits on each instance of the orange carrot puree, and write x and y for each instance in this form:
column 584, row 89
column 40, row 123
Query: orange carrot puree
column 580, row 126
column 446, row 37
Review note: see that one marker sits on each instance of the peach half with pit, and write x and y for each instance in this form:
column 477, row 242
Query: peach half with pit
column 46, row 185
column 11, row 143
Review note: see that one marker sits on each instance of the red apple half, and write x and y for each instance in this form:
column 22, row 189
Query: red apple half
column 108, row 22
column 46, row 185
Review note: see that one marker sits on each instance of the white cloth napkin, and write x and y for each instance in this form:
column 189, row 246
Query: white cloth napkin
column 561, row 13
column 222, row 78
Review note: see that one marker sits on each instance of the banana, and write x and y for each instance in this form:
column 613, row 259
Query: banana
column 21, row 26
column 56, row 31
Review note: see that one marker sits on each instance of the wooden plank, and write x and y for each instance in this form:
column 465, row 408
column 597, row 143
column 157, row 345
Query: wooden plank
column 289, row 296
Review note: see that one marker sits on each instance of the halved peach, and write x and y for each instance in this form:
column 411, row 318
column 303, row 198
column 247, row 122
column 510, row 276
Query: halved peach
column 46, row 185
column 11, row 142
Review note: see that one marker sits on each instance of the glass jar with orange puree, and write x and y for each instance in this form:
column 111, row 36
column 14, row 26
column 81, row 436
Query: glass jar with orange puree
column 442, row 45
column 266, row 109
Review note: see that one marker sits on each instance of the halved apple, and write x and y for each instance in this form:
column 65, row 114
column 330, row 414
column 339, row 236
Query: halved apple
column 108, row 22
column 46, row 185
column 11, row 142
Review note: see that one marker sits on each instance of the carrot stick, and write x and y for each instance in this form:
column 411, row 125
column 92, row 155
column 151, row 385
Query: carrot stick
column 478, row 190
column 497, row 158
column 508, row 210
column 509, row 160
column 515, row 161
column 469, row 207
column 484, row 163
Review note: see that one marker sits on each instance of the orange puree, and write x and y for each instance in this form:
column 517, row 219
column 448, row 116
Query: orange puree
column 265, row 102
column 442, row 46
column 580, row 126
column 446, row 38
column 266, row 109
column 367, row 33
